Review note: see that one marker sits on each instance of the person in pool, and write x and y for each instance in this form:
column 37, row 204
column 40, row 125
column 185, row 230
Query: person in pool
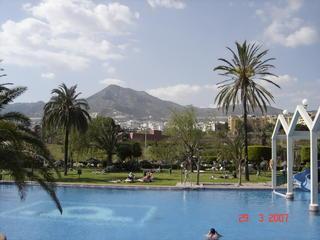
column 213, row 235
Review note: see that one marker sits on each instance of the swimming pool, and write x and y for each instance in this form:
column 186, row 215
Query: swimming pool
column 96, row 214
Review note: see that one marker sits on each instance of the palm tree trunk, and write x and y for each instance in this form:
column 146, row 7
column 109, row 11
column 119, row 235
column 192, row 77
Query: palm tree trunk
column 109, row 159
column 66, row 148
column 245, row 125
column 240, row 182
column 198, row 171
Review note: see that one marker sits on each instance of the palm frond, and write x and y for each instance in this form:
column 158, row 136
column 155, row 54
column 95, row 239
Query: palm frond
column 245, row 68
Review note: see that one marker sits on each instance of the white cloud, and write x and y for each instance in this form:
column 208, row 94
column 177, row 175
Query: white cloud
column 113, row 81
column 176, row 91
column 184, row 93
column 281, row 80
column 303, row 36
column 48, row 75
column 285, row 28
column 70, row 33
column 293, row 90
column 177, row 4
column 83, row 16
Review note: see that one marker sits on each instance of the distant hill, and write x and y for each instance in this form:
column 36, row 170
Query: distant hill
column 118, row 101
column 34, row 109
column 126, row 103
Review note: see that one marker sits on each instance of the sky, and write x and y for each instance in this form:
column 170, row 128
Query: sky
column 167, row 48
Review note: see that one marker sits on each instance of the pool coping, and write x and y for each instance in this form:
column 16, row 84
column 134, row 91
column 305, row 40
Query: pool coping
column 213, row 186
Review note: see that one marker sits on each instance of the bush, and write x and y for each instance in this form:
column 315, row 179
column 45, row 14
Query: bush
column 124, row 150
column 208, row 159
column 307, row 166
column 131, row 165
column 146, row 164
column 258, row 153
column 136, row 150
column 305, row 154
column 127, row 166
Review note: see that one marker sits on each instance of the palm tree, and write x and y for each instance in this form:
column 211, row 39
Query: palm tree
column 105, row 134
column 19, row 146
column 245, row 73
column 65, row 110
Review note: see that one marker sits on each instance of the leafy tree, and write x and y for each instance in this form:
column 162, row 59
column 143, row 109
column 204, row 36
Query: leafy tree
column 257, row 154
column 20, row 146
column 165, row 151
column 65, row 110
column 136, row 150
column 182, row 127
column 232, row 148
column 124, row 151
column 244, row 74
column 104, row 134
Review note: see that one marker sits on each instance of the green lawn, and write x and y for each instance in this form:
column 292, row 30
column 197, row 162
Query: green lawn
column 94, row 176
column 91, row 176
column 163, row 178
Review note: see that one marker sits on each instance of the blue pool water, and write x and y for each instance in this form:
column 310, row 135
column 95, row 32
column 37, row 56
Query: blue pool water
column 99, row 214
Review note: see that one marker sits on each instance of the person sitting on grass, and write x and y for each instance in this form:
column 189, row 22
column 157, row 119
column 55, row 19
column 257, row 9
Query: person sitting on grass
column 147, row 178
column 213, row 235
column 130, row 177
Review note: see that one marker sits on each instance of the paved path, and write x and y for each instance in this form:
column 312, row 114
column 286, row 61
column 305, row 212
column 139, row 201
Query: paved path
column 179, row 186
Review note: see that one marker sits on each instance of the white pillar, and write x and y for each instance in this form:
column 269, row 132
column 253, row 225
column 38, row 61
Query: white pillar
column 289, row 194
column 274, row 163
column 314, row 172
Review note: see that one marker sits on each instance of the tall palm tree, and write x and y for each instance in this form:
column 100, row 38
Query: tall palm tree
column 65, row 110
column 19, row 146
column 245, row 72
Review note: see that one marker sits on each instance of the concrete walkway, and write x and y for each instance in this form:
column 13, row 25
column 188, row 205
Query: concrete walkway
column 178, row 186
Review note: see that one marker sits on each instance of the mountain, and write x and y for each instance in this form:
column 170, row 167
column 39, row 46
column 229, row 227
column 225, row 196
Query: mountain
column 34, row 109
column 126, row 103
column 118, row 101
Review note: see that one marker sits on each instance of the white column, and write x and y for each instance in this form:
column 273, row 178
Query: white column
column 313, row 172
column 289, row 194
column 274, row 163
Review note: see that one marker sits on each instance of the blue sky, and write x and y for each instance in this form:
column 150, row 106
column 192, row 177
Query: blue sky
column 165, row 47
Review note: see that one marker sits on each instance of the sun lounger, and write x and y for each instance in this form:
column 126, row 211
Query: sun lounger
column 115, row 181
column 129, row 180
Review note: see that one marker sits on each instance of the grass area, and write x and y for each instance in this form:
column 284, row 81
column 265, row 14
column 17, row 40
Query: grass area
column 93, row 176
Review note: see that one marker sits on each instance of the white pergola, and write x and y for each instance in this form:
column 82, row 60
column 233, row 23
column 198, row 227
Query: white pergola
column 290, row 136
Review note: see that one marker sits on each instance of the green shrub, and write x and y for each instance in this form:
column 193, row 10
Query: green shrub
column 146, row 164
column 305, row 154
column 208, row 159
column 307, row 166
column 258, row 153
